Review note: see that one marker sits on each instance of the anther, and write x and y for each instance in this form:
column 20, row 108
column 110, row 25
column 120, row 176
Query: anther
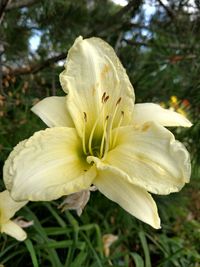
column 106, row 98
column 118, row 101
column 85, row 116
column 103, row 97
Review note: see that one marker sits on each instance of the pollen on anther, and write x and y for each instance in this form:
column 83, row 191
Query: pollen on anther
column 118, row 101
column 85, row 116
column 106, row 98
column 103, row 97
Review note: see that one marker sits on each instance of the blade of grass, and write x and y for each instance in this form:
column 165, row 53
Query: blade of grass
column 69, row 256
column 60, row 221
column 158, row 244
column 98, row 233
column 171, row 259
column 143, row 241
column 79, row 259
column 5, row 250
column 11, row 255
column 72, row 220
column 53, row 256
column 31, row 250
column 138, row 260
column 57, row 230
column 62, row 244
column 98, row 261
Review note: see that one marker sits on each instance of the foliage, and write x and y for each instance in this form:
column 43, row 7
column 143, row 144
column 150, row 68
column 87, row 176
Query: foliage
column 161, row 54
column 58, row 239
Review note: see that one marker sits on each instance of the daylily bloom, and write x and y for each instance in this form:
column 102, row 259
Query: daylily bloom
column 8, row 207
column 98, row 136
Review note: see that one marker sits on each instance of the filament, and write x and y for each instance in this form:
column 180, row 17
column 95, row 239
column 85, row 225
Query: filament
column 104, row 136
column 117, row 129
column 111, row 123
column 107, row 140
column 83, row 139
column 104, row 100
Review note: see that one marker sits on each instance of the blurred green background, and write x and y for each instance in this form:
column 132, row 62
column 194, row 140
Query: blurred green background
column 158, row 43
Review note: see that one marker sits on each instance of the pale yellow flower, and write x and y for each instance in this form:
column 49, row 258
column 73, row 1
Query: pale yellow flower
column 8, row 208
column 99, row 136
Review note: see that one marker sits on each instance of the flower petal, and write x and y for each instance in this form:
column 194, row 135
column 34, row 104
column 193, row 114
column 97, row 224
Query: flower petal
column 7, row 169
column 152, row 158
column 92, row 69
column 48, row 165
column 8, row 207
column 14, row 230
column 132, row 198
column 53, row 111
column 152, row 112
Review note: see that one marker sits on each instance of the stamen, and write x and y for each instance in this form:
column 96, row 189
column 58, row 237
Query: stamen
column 115, row 111
column 118, row 101
column 104, row 136
column 117, row 129
column 85, row 116
column 83, row 139
column 112, row 121
column 105, row 99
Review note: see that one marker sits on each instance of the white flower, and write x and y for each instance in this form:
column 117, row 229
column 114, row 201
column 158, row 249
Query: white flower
column 99, row 136
column 8, row 207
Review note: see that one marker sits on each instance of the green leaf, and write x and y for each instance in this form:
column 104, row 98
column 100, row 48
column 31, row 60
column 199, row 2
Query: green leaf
column 79, row 261
column 139, row 262
column 32, row 252
column 145, row 247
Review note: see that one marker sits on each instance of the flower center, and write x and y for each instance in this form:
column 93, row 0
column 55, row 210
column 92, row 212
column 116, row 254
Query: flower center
column 99, row 146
